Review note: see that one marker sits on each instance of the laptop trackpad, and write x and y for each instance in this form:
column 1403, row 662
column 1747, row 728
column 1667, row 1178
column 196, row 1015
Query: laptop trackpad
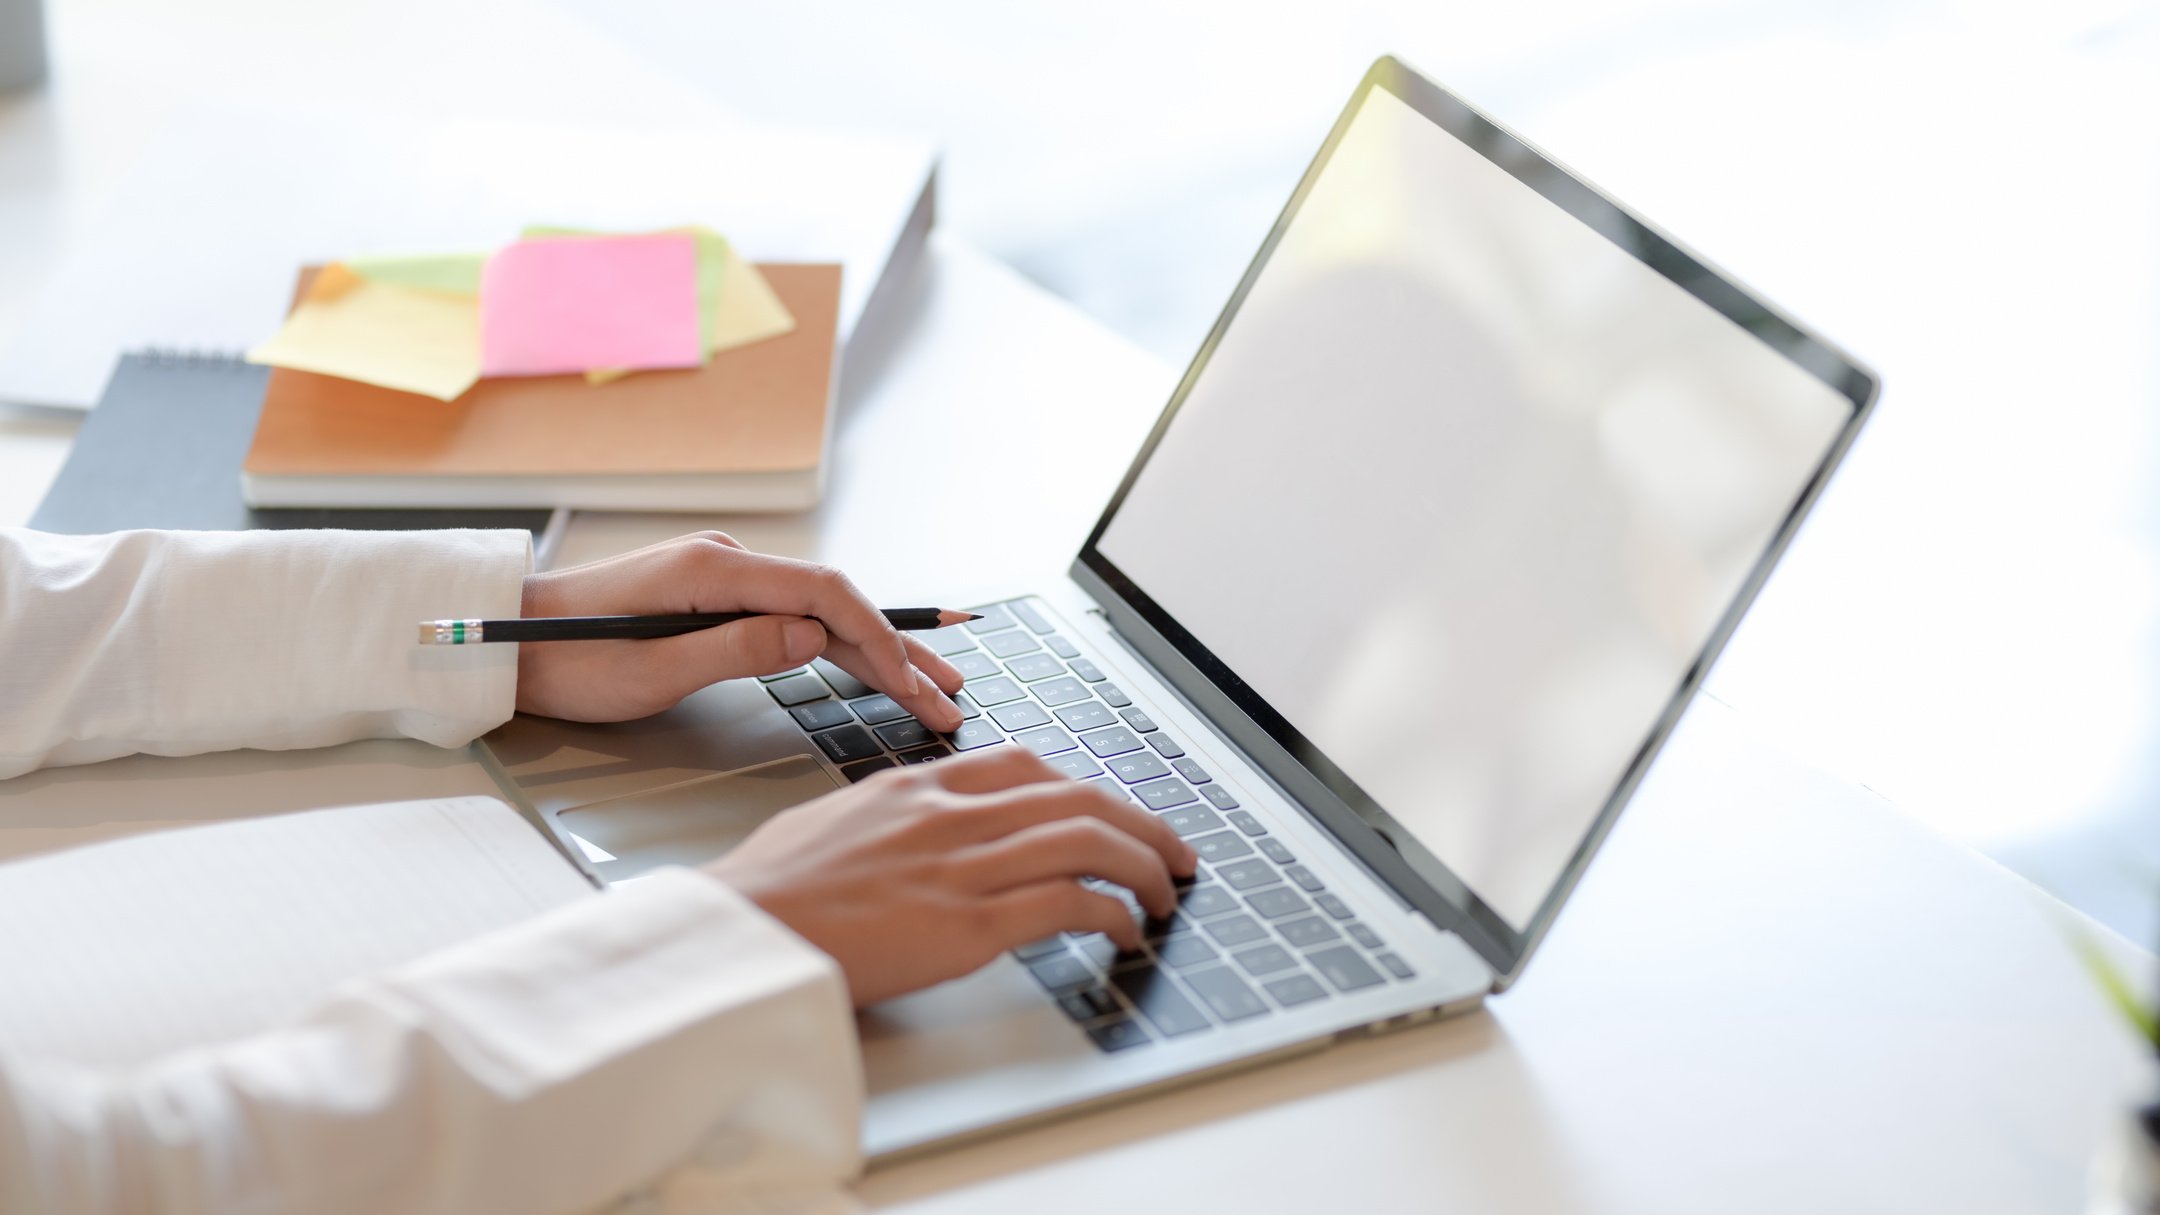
column 688, row 824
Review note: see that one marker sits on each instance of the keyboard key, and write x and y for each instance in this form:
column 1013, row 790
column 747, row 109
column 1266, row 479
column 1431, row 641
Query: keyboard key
column 1163, row 794
column 1057, row 973
column 1061, row 647
column 995, row 690
column 846, row 744
column 1177, row 925
column 798, row 689
column 1005, row 645
column 1136, row 766
column 821, row 715
column 1278, row 901
column 1295, row 990
column 967, row 706
column 1116, row 740
column 1028, row 616
column 1204, row 901
column 1082, row 1005
column 1020, row 715
column 977, row 665
column 1086, row 715
column 1040, row 949
column 1396, row 966
column 1076, row 764
column 1150, row 990
column 1062, row 690
column 1265, row 959
column 1225, row 994
column 1119, row 1035
column 1246, row 823
column 1335, row 907
column 1185, row 949
column 1087, row 670
column 1235, row 930
column 878, row 708
column 905, row 735
column 1139, row 721
column 1048, row 740
column 1244, row 875
column 1166, row 747
column 1188, row 769
column 973, row 734
column 777, row 676
column 1343, row 967
column 1112, row 695
column 844, row 685
column 1308, row 932
column 1192, row 820
column 1306, row 879
column 923, row 755
column 1097, row 948
column 1219, row 796
column 994, row 618
column 1219, row 847
column 1030, row 667
column 947, row 641
column 1107, row 787
column 866, row 768
column 1273, row 849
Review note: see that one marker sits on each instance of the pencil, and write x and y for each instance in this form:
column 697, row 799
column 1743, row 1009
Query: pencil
column 604, row 628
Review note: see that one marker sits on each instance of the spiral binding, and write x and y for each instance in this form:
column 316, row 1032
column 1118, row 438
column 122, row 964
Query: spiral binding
column 178, row 356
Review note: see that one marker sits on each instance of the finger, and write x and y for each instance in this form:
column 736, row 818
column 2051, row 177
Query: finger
column 1016, row 809
column 929, row 705
column 994, row 769
column 944, row 674
column 1031, row 913
column 763, row 583
column 1071, row 848
column 761, row 645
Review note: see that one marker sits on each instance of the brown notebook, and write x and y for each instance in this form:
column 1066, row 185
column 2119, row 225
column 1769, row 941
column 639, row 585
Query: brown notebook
column 745, row 432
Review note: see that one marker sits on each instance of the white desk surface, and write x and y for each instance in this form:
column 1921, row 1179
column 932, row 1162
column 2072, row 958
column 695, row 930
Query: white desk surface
column 1772, row 993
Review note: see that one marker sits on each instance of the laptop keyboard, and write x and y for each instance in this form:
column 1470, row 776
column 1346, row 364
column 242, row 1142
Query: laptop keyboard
column 1255, row 931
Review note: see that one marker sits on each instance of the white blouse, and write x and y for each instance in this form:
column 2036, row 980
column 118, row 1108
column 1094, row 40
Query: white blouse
column 666, row 1044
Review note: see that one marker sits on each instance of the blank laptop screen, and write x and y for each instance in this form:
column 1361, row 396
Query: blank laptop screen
column 1502, row 477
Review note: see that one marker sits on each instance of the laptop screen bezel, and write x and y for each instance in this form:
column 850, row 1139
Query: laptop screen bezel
column 1304, row 773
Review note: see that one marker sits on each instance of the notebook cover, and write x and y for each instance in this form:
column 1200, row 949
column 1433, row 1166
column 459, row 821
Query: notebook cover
column 758, row 408
column 163, row 449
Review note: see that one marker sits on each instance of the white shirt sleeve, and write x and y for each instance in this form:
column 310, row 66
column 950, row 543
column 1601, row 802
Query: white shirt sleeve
column 664, row 1028
column 176, row 643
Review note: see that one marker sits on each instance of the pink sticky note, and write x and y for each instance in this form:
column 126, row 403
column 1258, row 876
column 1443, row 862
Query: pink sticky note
column 567, row 304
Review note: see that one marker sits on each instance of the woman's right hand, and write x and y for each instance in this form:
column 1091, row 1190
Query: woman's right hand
column 927, row 872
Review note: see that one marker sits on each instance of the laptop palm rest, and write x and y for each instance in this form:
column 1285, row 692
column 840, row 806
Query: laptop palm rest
column 691, row 823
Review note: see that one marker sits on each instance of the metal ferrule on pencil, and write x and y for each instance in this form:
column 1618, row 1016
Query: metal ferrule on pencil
column 452, row 632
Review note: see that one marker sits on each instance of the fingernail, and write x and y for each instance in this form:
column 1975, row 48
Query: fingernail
column 918, row 684
column 803, row 638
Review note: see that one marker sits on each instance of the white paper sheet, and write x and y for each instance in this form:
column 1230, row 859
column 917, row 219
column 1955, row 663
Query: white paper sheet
column 120, row 952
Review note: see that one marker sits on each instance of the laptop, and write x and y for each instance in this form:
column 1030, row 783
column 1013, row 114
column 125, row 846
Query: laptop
column 1444, row 524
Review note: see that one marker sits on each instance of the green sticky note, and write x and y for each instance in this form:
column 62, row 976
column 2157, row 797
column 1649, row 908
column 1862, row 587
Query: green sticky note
column 449, row 273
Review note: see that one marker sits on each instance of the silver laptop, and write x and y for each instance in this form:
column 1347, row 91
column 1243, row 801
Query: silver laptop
column 1454, row 507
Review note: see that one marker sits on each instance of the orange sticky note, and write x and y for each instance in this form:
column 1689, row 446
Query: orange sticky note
column 565, row 305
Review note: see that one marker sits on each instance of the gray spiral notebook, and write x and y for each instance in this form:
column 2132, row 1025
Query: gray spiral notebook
column 163, row 449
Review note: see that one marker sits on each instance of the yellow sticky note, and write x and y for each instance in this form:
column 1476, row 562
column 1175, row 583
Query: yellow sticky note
column 355, row 328
column 748, row 309
column 736, row 306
